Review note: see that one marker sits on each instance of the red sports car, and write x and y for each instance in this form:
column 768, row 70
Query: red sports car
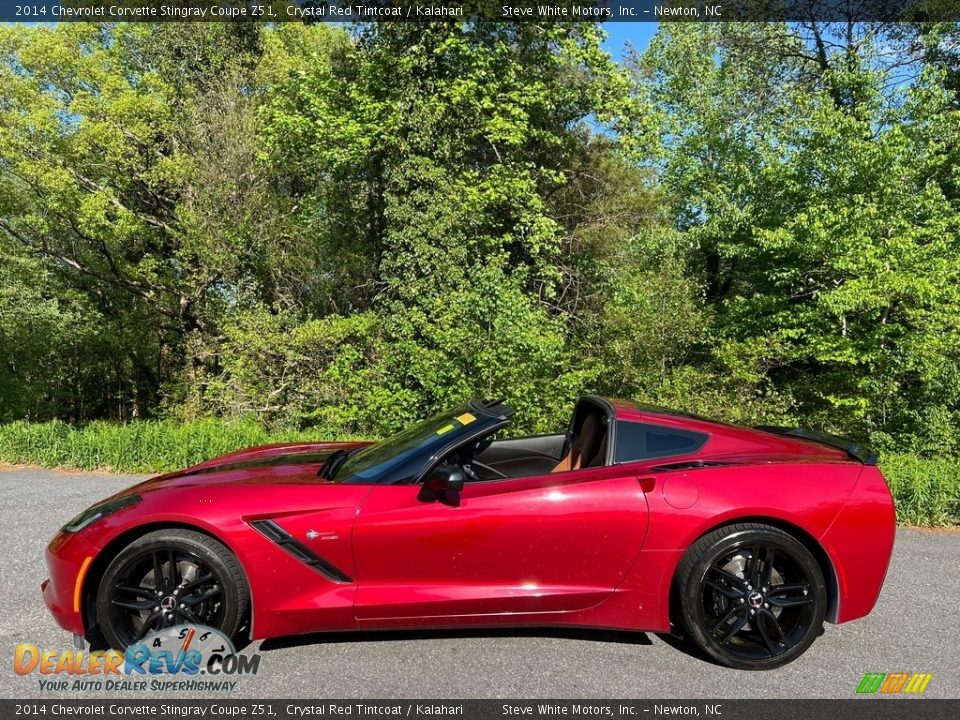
column 636, row 517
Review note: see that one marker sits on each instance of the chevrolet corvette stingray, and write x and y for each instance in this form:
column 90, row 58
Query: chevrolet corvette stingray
column 745, row 540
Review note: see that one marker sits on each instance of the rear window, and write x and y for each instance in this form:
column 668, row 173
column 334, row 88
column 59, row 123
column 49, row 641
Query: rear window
column 640, row 441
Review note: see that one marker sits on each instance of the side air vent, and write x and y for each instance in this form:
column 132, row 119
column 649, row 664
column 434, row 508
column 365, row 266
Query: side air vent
column 275, row 533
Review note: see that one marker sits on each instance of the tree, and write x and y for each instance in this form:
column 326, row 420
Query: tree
column 433, row 155
column 131, row 180
column 823, row 210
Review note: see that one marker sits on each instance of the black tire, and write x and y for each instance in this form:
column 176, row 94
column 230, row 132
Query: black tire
column 752, row 596
column 201, row 583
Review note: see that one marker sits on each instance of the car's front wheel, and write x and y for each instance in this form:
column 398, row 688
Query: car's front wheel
column 752, row 596
column 171, row 577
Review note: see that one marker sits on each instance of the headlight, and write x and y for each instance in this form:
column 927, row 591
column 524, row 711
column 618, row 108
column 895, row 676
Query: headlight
column 95, row 512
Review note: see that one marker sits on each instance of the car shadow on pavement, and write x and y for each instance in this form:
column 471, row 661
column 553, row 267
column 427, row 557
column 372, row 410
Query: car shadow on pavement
column 683, row 645
column 360, row 636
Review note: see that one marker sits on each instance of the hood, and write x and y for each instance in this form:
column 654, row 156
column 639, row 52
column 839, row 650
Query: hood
column 278, row 463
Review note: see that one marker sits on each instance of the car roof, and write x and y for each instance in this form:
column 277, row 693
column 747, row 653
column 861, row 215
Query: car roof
column 634, row 411
column 728, row 437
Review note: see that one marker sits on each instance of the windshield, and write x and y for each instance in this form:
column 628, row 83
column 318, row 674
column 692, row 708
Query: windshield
column 403, row 457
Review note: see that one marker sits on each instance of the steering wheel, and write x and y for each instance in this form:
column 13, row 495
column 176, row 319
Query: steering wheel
column 466, row 460
column 472, row 474
column 467, row 468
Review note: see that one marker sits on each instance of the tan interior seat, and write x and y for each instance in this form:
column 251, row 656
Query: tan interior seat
column 585, row 446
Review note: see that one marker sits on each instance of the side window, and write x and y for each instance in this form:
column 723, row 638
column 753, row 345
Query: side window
column 664, row 442
column 639, row 441
column 630, row 441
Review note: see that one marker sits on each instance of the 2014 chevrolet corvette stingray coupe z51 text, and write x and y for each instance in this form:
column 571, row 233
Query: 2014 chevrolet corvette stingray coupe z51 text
column 745, row 540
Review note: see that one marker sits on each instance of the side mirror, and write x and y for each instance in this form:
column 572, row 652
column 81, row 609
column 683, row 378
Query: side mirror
column 445, row 478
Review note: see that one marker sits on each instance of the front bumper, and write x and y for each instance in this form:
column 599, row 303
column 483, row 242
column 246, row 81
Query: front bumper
column 68, row 558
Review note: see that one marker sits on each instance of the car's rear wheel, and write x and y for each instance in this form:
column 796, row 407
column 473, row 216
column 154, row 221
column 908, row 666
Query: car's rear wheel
column 752, row 596
column 171, row 577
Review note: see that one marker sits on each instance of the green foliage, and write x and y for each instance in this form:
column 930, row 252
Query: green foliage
column 451, row 139
column 821, row 195
column 325, row 374
column 131, row 182
column 926, row 492
column 300, row 227
column 144, row 446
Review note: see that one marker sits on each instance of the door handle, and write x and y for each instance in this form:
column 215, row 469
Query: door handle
column 647, row 483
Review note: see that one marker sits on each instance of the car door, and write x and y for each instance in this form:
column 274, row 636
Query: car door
column 544, row 544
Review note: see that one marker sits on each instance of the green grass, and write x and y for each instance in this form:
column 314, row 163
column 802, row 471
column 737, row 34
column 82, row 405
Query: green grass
column 147, row 446
column 927, row 492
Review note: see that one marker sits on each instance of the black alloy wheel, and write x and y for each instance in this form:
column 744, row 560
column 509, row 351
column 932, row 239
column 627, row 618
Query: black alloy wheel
column 171, row 577
column 752, row 596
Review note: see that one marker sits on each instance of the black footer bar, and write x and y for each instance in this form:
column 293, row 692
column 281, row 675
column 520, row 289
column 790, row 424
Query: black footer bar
column 860, row 708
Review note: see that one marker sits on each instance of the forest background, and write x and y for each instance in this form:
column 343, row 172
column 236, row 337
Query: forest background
column 214, row 235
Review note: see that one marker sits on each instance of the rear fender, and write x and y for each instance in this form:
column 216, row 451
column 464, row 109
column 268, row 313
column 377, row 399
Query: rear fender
column 806, row 496
column 860, row 541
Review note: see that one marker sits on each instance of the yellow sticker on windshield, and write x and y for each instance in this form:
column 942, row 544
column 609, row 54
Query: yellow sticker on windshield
column 466, row 418
column 445, row 429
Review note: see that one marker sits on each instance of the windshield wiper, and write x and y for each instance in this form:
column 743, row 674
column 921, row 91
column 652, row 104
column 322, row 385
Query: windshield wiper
column 333, row 463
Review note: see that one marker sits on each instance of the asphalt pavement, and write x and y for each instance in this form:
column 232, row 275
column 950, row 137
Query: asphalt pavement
column 915, row 628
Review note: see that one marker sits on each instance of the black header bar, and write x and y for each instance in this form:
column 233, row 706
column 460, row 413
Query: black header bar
column 484, row 10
